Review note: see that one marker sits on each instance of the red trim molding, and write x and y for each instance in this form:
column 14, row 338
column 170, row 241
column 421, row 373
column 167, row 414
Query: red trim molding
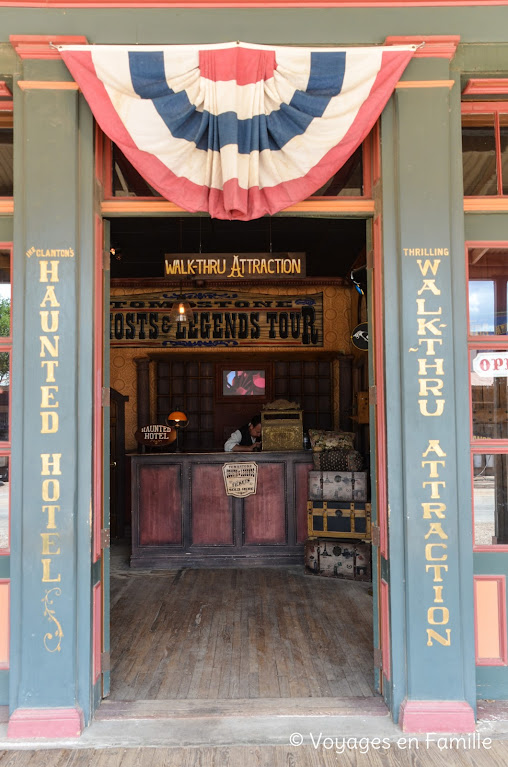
column 47, row 85
column 436, row 716
column 248, row 3
column 45, row 723
column 436, row 46
column 495, row 86
column 41, row 46
column 425, row 84
column 491, row 620
column 98, row 380
column 5, row 622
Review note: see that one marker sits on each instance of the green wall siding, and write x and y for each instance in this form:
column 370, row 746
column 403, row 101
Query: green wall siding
column 295, row 26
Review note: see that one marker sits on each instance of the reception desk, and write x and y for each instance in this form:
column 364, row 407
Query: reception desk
column 182, row 516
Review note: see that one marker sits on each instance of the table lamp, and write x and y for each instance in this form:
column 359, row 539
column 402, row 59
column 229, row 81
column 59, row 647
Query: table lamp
column 178, row 421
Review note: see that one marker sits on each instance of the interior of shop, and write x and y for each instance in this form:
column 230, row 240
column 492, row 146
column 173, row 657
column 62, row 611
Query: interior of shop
column 205, row 607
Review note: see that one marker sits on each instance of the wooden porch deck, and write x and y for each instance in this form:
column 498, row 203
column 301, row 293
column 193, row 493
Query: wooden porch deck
column 257, row 756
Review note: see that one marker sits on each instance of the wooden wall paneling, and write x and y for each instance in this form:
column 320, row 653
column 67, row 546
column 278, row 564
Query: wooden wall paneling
column 211, row 523
column 160, row 493
column 265, row 512
column 215, row 530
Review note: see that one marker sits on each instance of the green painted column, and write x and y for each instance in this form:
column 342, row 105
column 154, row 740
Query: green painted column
column 52, row 409
column 431, row 584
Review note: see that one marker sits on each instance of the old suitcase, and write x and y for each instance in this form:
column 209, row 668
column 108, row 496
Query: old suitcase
column 334, row 558
column 343, row 459
column 337, row 485
column 311, row 555
column 338, row 520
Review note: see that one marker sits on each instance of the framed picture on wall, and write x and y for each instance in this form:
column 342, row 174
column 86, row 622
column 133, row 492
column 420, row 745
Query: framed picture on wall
column 235, row 383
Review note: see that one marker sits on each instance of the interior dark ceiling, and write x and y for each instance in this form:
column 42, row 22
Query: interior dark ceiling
column 332, row 245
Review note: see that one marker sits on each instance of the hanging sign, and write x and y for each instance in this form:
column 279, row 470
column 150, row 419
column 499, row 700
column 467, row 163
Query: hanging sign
column 220, row 319
column 234, row 266
column 489, row 364
column 240, row 479
column 360, row 336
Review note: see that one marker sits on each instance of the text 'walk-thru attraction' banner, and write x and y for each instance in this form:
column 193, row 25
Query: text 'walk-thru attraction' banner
column 234, row 129
column 225, row 318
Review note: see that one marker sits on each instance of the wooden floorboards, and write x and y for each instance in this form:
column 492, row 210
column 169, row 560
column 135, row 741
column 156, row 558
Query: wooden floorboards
column 239, row 634
column 259, row 756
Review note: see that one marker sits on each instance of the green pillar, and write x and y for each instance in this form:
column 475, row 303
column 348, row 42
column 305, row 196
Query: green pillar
column 430, row 549
column 52, row 407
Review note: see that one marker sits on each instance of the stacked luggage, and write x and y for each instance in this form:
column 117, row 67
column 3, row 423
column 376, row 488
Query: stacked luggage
column 339, row 515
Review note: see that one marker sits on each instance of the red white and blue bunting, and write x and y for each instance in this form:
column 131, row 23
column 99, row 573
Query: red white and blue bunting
column 235, row 129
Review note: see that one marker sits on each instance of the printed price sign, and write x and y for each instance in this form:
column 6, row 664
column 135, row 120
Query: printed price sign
column 240, row 479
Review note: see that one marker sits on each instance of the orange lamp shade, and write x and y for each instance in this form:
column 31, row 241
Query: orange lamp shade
column 177, row 415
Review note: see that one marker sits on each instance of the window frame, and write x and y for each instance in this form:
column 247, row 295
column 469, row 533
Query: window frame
column 495, row 108
column 481, row 445
column 370, row 172
column 6, row 123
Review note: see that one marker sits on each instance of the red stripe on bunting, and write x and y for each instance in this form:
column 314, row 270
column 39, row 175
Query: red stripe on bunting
column 241, row 64
column 234, row 202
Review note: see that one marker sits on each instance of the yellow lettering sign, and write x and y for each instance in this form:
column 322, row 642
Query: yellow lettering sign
column 51, row 490
column 46, row 572
column 429, row 554
column 435, row 528
column 431, row 634
column 48, row 541
column 49, row 422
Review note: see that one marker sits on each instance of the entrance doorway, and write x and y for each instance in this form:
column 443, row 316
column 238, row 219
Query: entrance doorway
column 242, row 633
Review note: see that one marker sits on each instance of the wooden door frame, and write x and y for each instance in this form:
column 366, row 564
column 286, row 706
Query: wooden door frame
column 365, row 208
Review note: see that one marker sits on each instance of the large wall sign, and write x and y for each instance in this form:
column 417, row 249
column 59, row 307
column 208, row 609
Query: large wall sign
column 234, row 266
column 431, row 371
column 225, row 318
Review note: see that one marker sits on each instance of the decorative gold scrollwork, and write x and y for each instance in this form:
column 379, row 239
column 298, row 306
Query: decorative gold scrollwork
column 50, row 614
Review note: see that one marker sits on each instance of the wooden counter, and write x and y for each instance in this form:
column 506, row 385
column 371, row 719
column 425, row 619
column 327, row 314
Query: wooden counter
column 182, row 517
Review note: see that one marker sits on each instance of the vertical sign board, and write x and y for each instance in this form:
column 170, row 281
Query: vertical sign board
column 434, row 623
column 45, row 662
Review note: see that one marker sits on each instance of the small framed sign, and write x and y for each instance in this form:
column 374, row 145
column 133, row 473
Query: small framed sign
column 240, row 479
column 235, row 266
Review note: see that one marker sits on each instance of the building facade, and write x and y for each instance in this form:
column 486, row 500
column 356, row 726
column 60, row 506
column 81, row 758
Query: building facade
column 436, row 213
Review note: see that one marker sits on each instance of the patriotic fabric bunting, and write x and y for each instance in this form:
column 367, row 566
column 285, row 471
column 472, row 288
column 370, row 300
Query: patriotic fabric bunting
column 235, row 129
